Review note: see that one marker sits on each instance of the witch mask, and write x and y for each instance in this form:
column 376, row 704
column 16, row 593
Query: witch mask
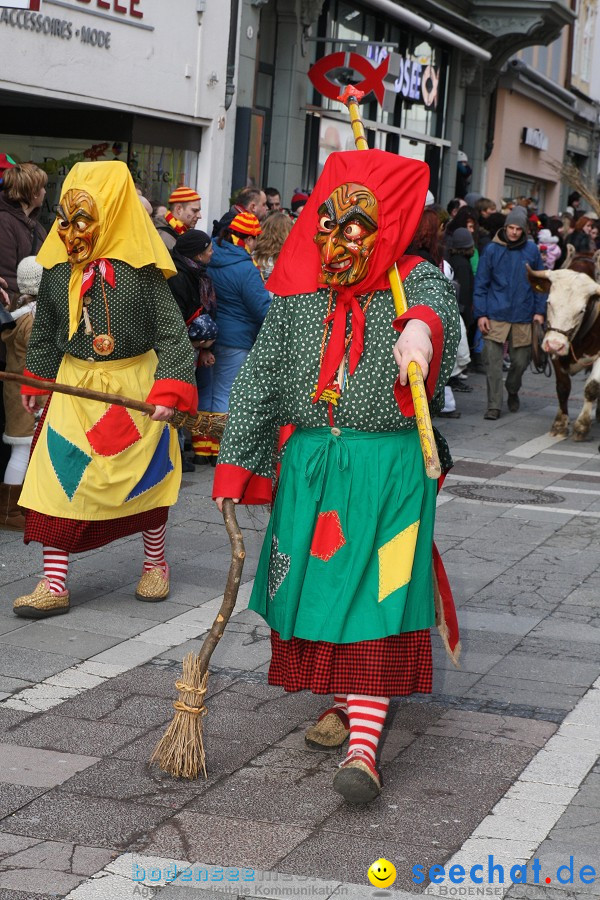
column 346, row 234
column 78, row 225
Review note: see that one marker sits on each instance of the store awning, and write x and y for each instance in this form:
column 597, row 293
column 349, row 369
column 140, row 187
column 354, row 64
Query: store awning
column 429, row 28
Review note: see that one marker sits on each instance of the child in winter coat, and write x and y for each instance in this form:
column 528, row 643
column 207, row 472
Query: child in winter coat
column 20, row 424
column 549, row 248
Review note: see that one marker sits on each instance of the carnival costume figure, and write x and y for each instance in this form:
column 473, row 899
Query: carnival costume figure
column 345, row 578
column 105, row 320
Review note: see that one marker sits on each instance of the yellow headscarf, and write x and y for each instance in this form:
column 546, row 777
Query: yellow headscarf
column 126, row 231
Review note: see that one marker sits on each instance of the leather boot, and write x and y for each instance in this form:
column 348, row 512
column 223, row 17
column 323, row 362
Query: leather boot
column 12, row 516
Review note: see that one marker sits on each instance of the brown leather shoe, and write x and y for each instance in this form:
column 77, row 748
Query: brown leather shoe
column 153, row 586
column 42, row 603
column 357, row 780
column 330, row 730
column 491, row 414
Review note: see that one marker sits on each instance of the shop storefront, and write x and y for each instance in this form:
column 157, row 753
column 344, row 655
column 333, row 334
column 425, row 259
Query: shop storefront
column 405, row 79
column 158, row 122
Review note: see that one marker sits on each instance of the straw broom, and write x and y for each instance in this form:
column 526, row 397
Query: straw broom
column 180, row 752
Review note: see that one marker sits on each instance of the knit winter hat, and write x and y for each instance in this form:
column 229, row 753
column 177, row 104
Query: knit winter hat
column 462, row 239
column 183, row 195
column 203, row 328
column 29, row 276
column 245, row 223
column 545, row 236
column 517, row 216
column 298, row 200
column 192, row 242
column 472, row 198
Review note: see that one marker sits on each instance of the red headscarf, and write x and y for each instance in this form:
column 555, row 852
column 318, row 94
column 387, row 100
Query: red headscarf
column 400, row 186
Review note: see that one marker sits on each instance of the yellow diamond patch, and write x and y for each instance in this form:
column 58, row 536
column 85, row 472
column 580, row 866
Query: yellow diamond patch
column 396, row 561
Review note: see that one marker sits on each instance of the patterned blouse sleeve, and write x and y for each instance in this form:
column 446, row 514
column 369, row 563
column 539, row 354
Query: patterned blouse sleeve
column 431, row 299
column 246, row 457
column 43, row 354
column 175, row 383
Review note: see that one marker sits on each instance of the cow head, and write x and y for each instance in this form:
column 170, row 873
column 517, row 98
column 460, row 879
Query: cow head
column 569, row 293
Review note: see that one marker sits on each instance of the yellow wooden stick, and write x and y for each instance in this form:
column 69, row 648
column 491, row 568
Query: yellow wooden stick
column 431, row 459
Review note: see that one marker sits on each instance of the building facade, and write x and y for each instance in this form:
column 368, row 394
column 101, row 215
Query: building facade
column 144, row 81
column 433, row 69
column 218, row 94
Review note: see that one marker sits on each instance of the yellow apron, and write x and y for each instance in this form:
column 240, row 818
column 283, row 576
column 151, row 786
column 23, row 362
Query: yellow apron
column 96, row 461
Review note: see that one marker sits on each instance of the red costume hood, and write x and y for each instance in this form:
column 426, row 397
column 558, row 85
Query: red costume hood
column 399, row 185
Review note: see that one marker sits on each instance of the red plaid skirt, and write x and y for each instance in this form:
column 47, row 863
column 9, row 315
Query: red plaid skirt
column 389, row 667
column 75, row 535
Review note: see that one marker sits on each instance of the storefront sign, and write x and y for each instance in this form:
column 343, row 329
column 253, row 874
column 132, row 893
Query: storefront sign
column 60, row 28
column 390, row 74
column 124, row 7
column 332, row 72
column 534, row 137
column 32, row 5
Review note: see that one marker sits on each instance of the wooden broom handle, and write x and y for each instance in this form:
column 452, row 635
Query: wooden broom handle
column 433, row 469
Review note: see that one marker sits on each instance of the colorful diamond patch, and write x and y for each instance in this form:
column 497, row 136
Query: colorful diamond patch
column 396, row 560
column 159, row 467
column 328, row 537
column 113, row 433
column 68, row 461
column 279, row 566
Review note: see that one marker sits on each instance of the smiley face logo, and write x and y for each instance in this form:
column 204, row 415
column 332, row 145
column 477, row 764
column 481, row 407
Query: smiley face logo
column 382, row 873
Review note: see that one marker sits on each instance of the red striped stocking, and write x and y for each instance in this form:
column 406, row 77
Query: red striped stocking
column 154, row 548
column 56, row 564
column 367, row 718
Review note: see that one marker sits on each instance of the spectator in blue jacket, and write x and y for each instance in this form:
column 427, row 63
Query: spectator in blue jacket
column 242, row 300
column 505, row 305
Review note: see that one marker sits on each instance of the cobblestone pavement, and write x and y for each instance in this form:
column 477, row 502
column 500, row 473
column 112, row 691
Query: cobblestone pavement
column 498, row 767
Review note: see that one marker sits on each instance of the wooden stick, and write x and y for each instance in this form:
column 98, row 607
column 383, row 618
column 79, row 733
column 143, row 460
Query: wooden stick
column 433, row 469
column 238, row 555
column 208, row 423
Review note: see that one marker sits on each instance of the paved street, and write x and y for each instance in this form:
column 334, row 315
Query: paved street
column 501, row 761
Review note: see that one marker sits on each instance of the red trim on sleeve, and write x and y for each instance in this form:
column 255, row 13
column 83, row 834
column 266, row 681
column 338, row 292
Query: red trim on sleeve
column 234, row 481
column 172, row 392
column 28, row 391
column 429, row 317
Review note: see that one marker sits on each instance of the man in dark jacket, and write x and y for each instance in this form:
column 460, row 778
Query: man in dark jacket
column 505, row 305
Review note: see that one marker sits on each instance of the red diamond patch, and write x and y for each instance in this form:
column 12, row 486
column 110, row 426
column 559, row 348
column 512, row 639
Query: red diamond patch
column 113, row 433
column 328, row 537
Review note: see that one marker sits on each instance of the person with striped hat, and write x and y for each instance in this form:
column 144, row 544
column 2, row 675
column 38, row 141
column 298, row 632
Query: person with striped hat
column 185, row 205
column 242, row 301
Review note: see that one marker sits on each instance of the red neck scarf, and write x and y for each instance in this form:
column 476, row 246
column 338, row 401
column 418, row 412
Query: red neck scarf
column 106, row 269
column 400, row 186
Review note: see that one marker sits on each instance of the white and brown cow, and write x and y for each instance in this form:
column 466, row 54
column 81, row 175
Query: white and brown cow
column 572, row 337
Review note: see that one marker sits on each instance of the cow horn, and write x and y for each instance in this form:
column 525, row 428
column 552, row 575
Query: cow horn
column 596, row 259
column 569, row 257
column 545, row 273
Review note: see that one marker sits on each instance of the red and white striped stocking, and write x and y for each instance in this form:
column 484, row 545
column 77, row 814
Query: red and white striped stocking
column 56, row 564
column 154, row 548
column 367, row 718
column 339, row 702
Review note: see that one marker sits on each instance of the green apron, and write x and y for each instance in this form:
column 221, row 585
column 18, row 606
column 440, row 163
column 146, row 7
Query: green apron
column 348, row 551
